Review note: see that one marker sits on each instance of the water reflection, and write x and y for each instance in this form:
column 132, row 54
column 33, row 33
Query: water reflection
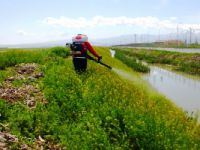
column 184, row 91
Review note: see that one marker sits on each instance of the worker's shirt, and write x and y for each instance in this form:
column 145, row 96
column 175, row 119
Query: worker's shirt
column 87, row 46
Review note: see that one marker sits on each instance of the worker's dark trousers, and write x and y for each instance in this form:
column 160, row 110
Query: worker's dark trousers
column 80, row 64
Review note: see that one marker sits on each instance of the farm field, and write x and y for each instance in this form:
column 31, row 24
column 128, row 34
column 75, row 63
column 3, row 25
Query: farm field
column 45, row 104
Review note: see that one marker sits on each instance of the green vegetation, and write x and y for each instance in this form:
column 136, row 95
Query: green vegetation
column 166, row 45
column 132, row 62
column 186, row 62
column 96, row 109
column 194, row 45
column 15, row 56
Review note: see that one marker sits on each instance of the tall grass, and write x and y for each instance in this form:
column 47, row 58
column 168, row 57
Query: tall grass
column 132, row 62
column 186, row 62
column 98, row 110
column 13, row 57
column 16, row 56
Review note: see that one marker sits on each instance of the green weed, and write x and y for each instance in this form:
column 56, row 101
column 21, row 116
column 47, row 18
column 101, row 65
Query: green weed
column 131, row 62
column 99, row 110
column 186, row 62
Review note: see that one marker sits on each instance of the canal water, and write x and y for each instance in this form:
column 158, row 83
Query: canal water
column 182, row 90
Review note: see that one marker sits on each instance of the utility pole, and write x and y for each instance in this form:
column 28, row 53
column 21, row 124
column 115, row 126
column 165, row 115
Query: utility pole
column 190, row 35
column 177, row 36
column 147, row 38
column 135, row 36
column 159, row 35
column 185, row 37
column 196, row 37
column 141, row 38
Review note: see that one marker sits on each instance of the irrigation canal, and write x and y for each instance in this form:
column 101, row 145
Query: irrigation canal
column 183, row 90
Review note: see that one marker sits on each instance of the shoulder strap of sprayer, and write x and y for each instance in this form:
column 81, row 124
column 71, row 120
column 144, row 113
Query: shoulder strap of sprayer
column 76, row 46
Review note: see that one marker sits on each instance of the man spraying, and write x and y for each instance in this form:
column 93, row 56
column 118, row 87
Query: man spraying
column 79, row 48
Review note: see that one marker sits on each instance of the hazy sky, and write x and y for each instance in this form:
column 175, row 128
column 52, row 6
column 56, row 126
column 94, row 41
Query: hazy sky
column 29, row 21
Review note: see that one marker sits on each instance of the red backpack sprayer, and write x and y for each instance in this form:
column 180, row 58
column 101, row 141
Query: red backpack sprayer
column 79, row 47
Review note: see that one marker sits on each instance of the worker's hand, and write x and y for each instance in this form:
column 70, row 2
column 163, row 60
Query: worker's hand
column 99, row 58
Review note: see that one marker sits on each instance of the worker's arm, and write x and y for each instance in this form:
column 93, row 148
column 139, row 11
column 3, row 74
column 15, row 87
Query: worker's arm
column 90, row 48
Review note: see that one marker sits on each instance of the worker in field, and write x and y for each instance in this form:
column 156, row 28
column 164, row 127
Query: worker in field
column 79, row 47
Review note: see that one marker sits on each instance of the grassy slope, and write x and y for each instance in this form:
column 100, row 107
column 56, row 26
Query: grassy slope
column 98, row 109
column 185, row 62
